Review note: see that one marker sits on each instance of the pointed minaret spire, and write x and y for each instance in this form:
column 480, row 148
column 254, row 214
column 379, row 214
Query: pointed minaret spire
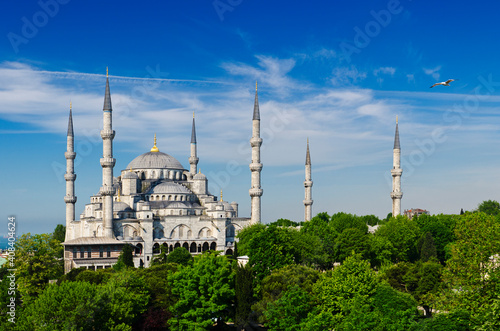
column 107, row 163
column 107, row 95
column 396, row 173
column 256, row 111
column 70, row 177
column 193, row 159
column 255, row 166
column 308, row 183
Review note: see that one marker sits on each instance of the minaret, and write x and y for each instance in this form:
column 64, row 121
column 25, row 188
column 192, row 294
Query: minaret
column 193, row 159
column 70, row 176
column 107, row 163
column 396, row 172
column 255, row 166
column 308, row 183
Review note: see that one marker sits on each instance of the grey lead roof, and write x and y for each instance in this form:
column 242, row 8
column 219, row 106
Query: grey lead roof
column 107, row 97
column 396, row 138
column 70, row 124
column 193, row 134
column 256, row 111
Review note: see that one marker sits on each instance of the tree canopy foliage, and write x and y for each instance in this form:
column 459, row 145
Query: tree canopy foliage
column 324, row 274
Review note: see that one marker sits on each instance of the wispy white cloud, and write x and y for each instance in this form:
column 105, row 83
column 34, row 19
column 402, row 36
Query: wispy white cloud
column 434, row 72
column 346, row 76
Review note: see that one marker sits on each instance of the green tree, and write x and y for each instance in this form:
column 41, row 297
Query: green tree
column 349, row 241
column 342, row 221
column 489, row 207
column 69, row 306
column 403, row 234
column 271, row 249
column 290, row 311
column 37, row 261
column 245, row 236
column 59, row 233
column 470, row 269
column 127, row 256
column 349, row 285
column 161, row 298
column 279, row 281
column 427, row 248
column 441, row 228
column 162, row 257
column 320, row 237
column 180, row 255
column 243, row 288
column 205, row 292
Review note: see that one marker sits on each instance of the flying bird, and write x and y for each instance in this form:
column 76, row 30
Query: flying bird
column 447, row 83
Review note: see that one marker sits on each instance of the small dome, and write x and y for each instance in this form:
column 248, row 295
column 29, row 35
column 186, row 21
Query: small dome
column 155, row 160
column 130, row 175
column 120, row 206
column 226, row 205
column 169, row 188
column 199, row 176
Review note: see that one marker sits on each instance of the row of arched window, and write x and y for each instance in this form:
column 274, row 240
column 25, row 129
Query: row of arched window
column 192, row 248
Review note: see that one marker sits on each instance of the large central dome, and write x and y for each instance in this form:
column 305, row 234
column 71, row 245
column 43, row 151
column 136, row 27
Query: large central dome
column 155, row 160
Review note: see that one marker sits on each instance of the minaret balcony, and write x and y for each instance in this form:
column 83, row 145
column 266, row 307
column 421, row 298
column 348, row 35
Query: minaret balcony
column 308, row 183
column 70, row 199
column 193, row 160
column 396, row 172
column 107, row 134
column 256, row 192
column 308, row 202
column 256, row 141
column 70, row 155
column 107, row 162
column 255, row 166
column 396, row 195
column 107, row 190
column 70, row 177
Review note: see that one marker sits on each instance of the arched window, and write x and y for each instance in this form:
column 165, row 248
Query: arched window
column 177, row 245
column 171, row 248
column 213, row 246
column 89, row 252
column 101, row 251
column 82, row 252
column 156, row 248
column 138, row 249
column 205, row 246
column 186, row 246
column 229, row 252
column 192, row 248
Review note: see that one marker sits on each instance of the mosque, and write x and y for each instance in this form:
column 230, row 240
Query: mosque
column 156, row 203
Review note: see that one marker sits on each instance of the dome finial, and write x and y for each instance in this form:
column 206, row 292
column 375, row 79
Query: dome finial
column 107, row 75
column 396, row 119
column 155, row 149
column 70, row 105
column 255, row 85
column 221, row 195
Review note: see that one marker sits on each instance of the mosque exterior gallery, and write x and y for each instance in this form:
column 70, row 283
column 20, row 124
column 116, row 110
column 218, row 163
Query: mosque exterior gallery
column 155, row 202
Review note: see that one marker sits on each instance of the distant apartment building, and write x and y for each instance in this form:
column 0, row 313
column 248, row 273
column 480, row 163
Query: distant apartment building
column 415, row 212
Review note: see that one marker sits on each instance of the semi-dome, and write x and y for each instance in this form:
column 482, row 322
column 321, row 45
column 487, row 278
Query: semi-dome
column 169, row 188
column 155, row 160
column 121, row 206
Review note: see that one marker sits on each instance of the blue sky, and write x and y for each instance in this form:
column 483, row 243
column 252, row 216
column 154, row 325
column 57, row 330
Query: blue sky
column 337, row 72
